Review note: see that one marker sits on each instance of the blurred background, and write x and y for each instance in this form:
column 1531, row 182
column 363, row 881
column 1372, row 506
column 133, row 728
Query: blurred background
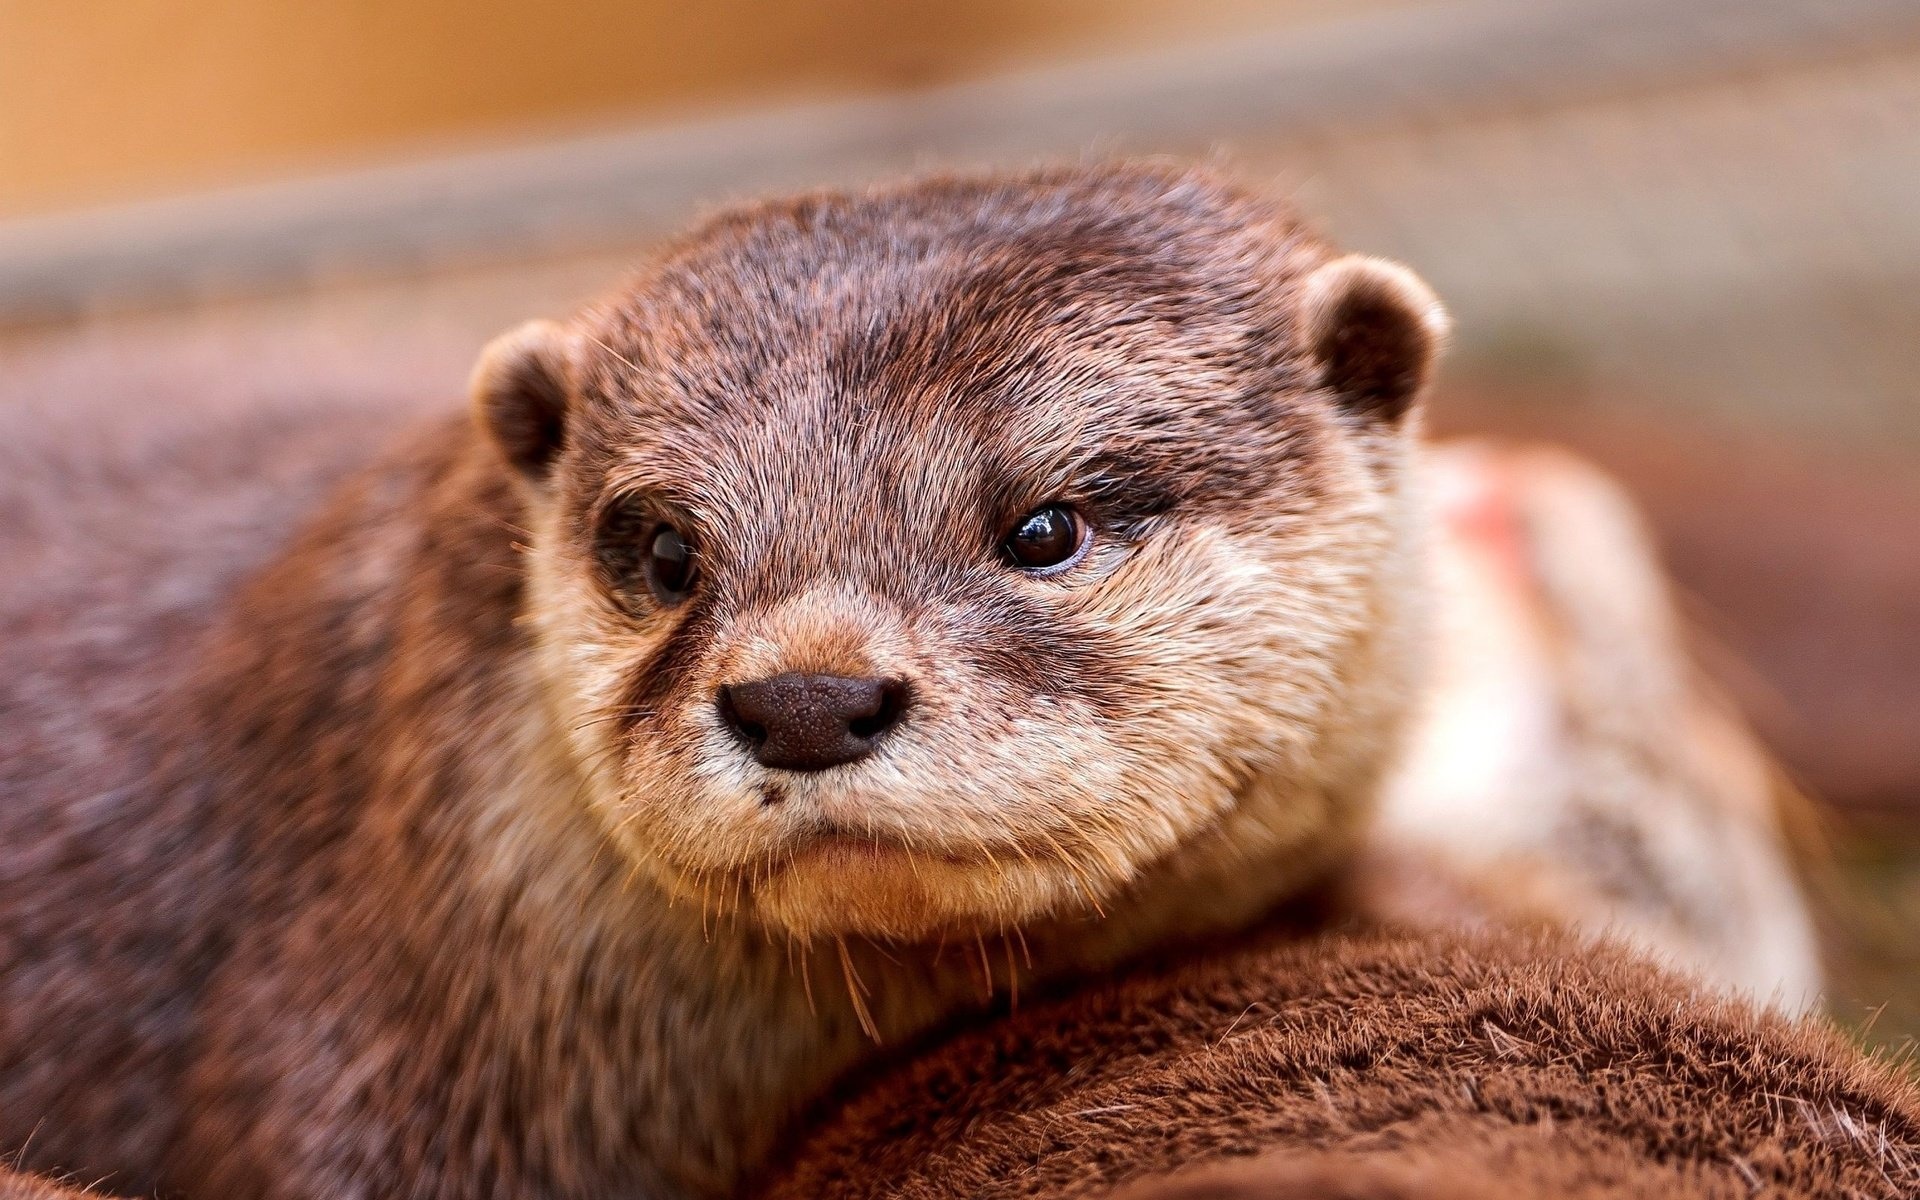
column 1681, row 236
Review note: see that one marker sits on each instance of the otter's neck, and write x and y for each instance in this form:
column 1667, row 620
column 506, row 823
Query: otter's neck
column 719, row 1033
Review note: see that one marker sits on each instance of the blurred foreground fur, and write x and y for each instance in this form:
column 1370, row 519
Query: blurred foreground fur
column 1381, row 1064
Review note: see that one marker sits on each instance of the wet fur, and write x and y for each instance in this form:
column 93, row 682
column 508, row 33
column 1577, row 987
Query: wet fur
column 400, row 855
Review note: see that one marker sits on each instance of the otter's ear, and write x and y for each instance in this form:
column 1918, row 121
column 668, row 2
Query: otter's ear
column 1375, row 330
column 520, row 388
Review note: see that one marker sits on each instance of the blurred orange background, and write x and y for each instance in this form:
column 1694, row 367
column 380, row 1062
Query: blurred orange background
column 142, row 97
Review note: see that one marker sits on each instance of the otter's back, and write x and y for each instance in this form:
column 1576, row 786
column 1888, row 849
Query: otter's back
column 123, row 537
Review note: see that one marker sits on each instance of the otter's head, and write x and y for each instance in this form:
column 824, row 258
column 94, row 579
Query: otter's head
column 963, row 553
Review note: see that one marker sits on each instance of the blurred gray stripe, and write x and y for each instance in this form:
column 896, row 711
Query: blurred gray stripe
column 1446, row 60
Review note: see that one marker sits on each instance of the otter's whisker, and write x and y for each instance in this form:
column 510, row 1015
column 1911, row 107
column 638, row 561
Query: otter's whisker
column 856, row 991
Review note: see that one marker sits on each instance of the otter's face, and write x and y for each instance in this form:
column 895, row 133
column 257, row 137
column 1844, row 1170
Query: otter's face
column 942, row 559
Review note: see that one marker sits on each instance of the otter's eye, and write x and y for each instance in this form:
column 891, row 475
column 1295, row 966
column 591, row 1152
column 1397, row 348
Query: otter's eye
column 1046, row 537
column 670, row 565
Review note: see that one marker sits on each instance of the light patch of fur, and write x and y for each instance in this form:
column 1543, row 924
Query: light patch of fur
column 1567, row 751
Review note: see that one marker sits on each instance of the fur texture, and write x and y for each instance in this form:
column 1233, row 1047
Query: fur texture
column 422, row 864
column 1379, row 1065
column 15, row 1186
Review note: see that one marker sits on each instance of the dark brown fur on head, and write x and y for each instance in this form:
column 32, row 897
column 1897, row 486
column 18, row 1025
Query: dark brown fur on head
column 846, row 402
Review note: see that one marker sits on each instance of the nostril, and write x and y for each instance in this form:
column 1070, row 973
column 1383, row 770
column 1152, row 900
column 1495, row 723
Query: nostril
column 752, row 731
column 890, row 703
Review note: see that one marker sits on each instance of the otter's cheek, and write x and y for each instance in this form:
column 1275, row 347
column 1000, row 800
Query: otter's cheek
column 979, row 783
column 668, row 801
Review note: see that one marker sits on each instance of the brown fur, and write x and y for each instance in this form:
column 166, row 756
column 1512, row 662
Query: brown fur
column 1379, row 1065
column 425, row 867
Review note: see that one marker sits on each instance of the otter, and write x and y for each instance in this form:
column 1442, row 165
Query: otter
column 886, row 601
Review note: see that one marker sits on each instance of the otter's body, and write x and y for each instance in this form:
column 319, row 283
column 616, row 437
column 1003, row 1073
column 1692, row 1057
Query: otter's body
column 379, row 831
column 1379, row 1063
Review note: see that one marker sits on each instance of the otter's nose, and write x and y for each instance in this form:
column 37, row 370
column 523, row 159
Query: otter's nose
column 812, row 722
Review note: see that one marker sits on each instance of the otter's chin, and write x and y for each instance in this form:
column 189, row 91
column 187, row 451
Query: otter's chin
column 839, row 887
